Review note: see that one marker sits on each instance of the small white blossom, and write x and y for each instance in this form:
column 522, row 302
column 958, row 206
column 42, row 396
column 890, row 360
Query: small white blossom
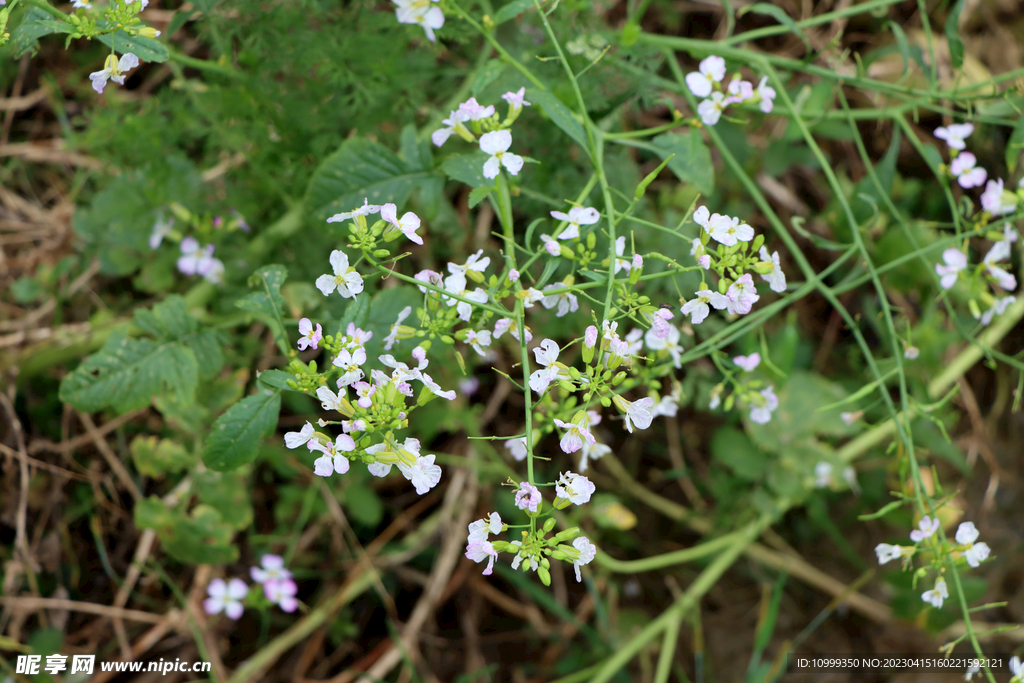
column 710, row 71
column 517, row 447
column 367, row 209
column 346, row 280
column 574, row 436
column 955, row 134
column 574, row 487
column 776, row 279
column 478, row 552
column 420, row 12
column 966, row 172
column 565, row 301
column 998, row 308
column 710, row 110
column 742, row 295
column 588, row 551
column 300, row 438
column 937, row 595
column 496, row 143
column 748, row 363
column 762, row 414
column 577, row 216
column 955, row 261
column 114, row 70
column 332, row 459
column 697, row 307
column 226, row 597
column 887, row 552
column 408, row 224
column 925, row 528
column 528, row 497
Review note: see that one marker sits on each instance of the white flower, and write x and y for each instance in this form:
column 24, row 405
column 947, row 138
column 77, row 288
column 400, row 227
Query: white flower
column 710, row 110
column 621, row 263
column 762, row 414
column 346, row 280
column 1017, row 669
column 888, row 552
column 517, row 447
column 349, row 362
column 742, row 295
column 995, row 200
column 480, row 529
column 392, row 337
column 226, row 597
column 748, row 363
column 822, row 475
column 408, row 224
column 999, row 251
column 956, row 261
column 196, row 260
column 965, row 171
column 577, row 216
column 709, row 72
column 453, row 124
column 925, row 528
column 740, row 90
column 697, row 307
column 971, row 670
column 728, row 230
column 272, row 570
column 114, row 70
column 977, row 554
column 423, row 473
column 546, row 354
column 480, row 551
column 575, row 487
column 479, row 340
column 296, row 439
column 161, row 229
column 420, row 12
column 936, row 596
column 595, row 452
column 474, row 263
column 637, row 412
column 1009, row 232
column 527, row 497
column 954, row 134
column 667, row 406
column 767, row 94
column 332, row 459
column 310, row 336
column 588, row 551
column 669, row 343
column 328, row 399
column 496, row 143
column 566, row 301
column 475, row 111
column 912, row 352
column 366, row 209
column 776, row 279
column 998, row 308
column 574, row 436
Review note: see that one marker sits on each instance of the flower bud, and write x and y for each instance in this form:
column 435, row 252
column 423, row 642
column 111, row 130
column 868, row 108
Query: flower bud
column 148, row 32
column 566, row 252
column 549, row 524
column 566, row 535
column 591, row 240
column 561, row 504
column 606, row 402
column 503, row 546
column 619, row 378
column 558, row 555
column 545, row 576
column 381, row 253
column 575, row 374
column 475, row 275
column 447, row 339
column 513, row 275
column 757, row 243
column 566, row 386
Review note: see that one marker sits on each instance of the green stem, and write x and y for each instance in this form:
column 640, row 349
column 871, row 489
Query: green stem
column 668, row 559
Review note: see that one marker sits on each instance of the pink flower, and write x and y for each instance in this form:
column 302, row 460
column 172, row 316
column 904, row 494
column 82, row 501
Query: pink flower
column 954, row 134
column 310, row 337
column 273, row 568
column 966, row 173
column 483, row 550
column 407, row 224
column 748, row 363
column 515, row 99
column 590, row 337
column 364, row 391
column 528, row 497
column 282, row 592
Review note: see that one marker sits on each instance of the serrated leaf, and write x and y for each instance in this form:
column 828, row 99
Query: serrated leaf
column 692, row 160
column 146, row 49
column 127, row 373
column 199, row 538
column 359, row 170
column 156, row 457
column 467, row 168
column 478, row 195
column 560, row 115
column 168, row 320
column 235, row 438
column 511, row 10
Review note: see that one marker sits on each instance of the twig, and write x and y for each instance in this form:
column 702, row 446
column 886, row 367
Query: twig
column 108, row 454
column 34, row 603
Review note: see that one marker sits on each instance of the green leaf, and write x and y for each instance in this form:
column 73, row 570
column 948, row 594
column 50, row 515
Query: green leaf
column 357, row 313
column 1015, row 144
column 236, row 434
column 467, row 168
column 146, row 49
column 797, row 419
column 511, row 11
column 735, row 450
column 478, row 195
column 275, row 379
column 267, row 299
column 180, row 18
column 560, row 114
column 127, row 373
column 956, row 46
column 692, row 160
column 227, row 492
column 488, row 74
column 35, row 24
column 363, row 504
column 156, row 457
column 199, row 538
column 359, row 170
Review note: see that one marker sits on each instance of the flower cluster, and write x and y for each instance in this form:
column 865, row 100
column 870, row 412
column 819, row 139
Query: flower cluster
column 963, row 167
column 278, row 589
column 706, row 82
column 472, row 119
column 196, row 258
column 988, row 280
column 924, row 537
column 534, row 548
